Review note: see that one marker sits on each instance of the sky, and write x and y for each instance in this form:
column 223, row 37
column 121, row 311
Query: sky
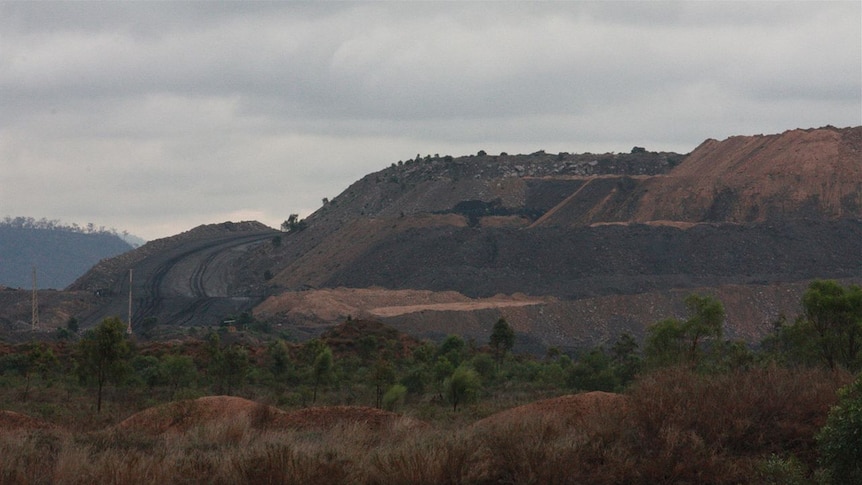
column 156, row 117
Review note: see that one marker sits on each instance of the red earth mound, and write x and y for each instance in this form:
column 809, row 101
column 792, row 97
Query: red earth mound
column 571, row 409
column 12, row 421
column 181, row 415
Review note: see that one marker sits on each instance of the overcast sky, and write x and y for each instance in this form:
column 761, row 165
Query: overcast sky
column 155, row 117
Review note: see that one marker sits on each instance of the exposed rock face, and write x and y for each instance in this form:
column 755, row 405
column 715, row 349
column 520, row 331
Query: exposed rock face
column 745, row 212
column 574, row 263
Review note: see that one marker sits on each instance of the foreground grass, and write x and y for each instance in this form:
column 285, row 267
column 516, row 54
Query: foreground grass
column 675, row 426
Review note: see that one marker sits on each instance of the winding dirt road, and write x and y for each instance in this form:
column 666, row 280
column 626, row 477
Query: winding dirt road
column 191, row 284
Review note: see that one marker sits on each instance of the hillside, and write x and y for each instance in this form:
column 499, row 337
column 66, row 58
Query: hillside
column 571, row 249
column 813, row 174
column 59, row 255
column 748, row 216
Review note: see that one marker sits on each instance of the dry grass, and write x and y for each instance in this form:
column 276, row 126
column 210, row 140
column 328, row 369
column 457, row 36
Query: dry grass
column 674, row 426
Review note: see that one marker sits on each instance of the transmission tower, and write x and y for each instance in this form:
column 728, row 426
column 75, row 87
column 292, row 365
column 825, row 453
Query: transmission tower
column 34, row 315
column 129, row 328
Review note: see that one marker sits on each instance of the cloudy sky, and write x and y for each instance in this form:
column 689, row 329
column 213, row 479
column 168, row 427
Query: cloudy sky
column 155, row 117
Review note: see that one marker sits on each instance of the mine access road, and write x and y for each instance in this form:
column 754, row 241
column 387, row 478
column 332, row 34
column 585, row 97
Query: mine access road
column 190, row 284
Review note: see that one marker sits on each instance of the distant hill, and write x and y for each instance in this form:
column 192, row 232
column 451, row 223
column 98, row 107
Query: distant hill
column 572, row 249
column 59, row 254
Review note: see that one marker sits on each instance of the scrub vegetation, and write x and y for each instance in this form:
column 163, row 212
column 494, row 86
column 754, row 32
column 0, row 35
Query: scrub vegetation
column 686, row 406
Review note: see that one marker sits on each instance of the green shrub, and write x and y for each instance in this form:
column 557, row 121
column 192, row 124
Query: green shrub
column 781, row 471
column 394, row 396
column 840, row 441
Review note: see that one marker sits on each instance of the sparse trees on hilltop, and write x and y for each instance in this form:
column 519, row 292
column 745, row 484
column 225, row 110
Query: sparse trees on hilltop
column 293, row 224
column 55, row 225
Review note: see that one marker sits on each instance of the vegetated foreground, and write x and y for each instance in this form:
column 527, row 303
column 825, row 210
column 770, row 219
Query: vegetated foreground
column 690, row 407
column 672, row 426
column 588, row 262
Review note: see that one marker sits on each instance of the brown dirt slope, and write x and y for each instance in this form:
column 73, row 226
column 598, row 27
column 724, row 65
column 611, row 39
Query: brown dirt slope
column 11, row 421
column 182, row 415
column 807, row 173
column 332, row 305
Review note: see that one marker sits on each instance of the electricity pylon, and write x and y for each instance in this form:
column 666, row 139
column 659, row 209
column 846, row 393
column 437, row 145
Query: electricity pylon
column 34, row 314
column 129, row 328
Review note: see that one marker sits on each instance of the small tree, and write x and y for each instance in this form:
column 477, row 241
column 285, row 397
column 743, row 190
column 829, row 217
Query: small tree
column 706, row 317
column 835, row 315
column 673, row 341
column 453, row 348
column 293, row 224
column 502, row 340
column 625, row 356
column 321, row 370
column 178, row 371
column 829, row 331
column 383, row 375
column 39, row 360
column 592, row 372
column 235, row 365
column 664, row 343
column 278, row 356
column 462, row 386
column 485, row 365
column 103, row 354
column 394, row 396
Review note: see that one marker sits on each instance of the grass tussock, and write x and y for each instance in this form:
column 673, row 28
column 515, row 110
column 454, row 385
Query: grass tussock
column 673, row 426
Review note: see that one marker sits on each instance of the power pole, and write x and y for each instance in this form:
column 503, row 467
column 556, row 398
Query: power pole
column 34, row 315
column 129, row 328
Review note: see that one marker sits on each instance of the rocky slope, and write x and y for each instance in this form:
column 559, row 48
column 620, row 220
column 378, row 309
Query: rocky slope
column 762, row 213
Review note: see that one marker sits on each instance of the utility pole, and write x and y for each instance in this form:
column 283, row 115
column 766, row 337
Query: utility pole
column 129, row 328
column 34, row 315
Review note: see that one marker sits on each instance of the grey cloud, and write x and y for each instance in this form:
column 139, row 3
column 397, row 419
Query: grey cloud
column 188, row 111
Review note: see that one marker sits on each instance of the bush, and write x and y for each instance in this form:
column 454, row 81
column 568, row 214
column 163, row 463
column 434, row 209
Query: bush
column 701, row 426
column 781, row 471
column 840, row 441
column 394, row 397
column 462, row 386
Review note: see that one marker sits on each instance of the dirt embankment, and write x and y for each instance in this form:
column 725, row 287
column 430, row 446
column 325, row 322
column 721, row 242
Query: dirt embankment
column 181, row 416
column 10, row 421
column 538, row 322
column 331, row 305
column 219, row 411
column 799, row 173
